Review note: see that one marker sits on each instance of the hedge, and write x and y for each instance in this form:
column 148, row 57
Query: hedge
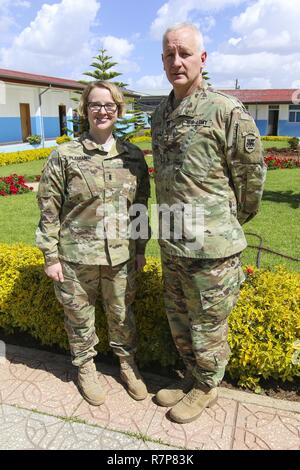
column 24, row 156
column 276, row 137
column 264, row 326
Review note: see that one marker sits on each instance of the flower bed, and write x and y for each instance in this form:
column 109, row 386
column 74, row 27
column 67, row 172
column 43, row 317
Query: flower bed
column 12, row 185
column 279, row 161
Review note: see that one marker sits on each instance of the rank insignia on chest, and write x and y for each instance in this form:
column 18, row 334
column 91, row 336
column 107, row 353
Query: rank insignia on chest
column 250, row 141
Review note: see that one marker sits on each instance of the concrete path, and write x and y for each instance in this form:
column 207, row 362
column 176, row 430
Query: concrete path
column 41, row 408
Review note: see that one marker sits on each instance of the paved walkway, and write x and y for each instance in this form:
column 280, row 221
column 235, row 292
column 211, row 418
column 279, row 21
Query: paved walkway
column 41, row 408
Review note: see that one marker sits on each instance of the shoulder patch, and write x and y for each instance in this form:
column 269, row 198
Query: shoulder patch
column 250, row 141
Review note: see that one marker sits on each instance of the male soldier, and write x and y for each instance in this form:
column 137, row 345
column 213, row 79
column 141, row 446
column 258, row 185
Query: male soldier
column 208, row 158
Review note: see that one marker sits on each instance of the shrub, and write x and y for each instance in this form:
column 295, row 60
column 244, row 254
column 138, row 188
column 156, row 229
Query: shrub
column 12, row 185
column 63, row 138
column 293, row 143
column 275, row 137
column 24, row 156
column 34, row 139
column 264, row 326
column 142, row 138
column 27, row 302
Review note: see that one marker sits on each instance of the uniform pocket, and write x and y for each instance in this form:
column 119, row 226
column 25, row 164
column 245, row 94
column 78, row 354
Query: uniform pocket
column 198, row 153
column 123, row 181
column 219, row 300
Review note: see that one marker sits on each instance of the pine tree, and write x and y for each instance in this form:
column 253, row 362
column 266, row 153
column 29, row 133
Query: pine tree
column 206, row 77
column 102, row 65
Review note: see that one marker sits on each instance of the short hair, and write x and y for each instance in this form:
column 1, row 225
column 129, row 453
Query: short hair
column 186, row 25
column 116, row 93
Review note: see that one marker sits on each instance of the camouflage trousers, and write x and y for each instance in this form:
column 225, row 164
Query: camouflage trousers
column 78, row 294
column 199, row 295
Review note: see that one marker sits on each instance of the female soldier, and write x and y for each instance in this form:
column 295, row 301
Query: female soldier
column 85, row 192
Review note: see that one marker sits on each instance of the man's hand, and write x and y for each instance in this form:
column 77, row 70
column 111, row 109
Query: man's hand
column 55, row 272
column 140, row 262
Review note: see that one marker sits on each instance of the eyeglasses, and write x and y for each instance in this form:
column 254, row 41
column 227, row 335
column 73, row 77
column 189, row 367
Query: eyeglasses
column 94, row 106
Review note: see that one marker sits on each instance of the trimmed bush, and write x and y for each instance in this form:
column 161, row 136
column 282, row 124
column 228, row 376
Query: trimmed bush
column 142, row 138
column 264, row 326
column 275, row 137
column 62, row 138
column 24, row 156
column 294, row 143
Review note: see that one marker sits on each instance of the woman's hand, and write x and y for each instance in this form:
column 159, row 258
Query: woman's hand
column 140, row 262
column 55, row 272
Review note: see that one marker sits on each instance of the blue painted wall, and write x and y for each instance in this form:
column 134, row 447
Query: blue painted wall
column 33, row 121
column 10, row 129
column 51, row 127
column 289, row 128
column 262, row 125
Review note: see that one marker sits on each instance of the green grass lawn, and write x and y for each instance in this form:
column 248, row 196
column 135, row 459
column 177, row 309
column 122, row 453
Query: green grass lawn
column 27, row 169
column 275, row 143
column 18, row 218
column 278, row 222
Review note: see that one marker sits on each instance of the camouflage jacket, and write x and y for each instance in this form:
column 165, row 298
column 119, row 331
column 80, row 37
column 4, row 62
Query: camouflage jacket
column 207, row 154
column 84, row 196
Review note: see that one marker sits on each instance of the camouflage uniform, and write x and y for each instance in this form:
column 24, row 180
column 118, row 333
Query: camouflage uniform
column 83, row 193
column 207, row 153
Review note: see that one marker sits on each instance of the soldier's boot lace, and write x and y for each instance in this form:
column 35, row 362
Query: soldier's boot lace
column 172, row 394
column 192, row 404
column 129, row 374
column 89, row 385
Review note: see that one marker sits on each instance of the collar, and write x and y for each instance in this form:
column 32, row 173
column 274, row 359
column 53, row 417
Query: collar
column 117, row 148
column 187, row 107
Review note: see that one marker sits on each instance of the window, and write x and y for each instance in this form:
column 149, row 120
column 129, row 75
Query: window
column 294, row 113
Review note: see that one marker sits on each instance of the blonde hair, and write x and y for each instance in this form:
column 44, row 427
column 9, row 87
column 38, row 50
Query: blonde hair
column 116, row 93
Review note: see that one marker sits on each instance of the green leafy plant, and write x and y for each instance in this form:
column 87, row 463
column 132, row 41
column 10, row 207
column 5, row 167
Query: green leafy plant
column 293, row 143
column 34, row 139
column 12, row 185
column 264, row 327
column 62, row 138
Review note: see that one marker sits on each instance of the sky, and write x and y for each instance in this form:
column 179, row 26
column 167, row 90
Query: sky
column 254, row 41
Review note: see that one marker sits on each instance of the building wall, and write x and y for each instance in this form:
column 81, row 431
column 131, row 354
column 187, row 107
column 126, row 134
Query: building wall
column 260, row 114
column 10, row 120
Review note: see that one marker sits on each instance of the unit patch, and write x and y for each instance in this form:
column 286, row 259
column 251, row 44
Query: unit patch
column 250, row 141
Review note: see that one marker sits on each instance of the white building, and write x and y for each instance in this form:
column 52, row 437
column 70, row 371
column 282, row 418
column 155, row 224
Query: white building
column 34, row 105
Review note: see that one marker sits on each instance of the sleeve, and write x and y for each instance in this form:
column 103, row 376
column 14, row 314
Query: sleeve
column 247, row 170
column 50, row 198
column 142, row 196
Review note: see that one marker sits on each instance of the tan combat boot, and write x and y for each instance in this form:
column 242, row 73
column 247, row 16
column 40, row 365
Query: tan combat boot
column 89, row 384
column 192, row 405
column 176, row 391
column 130, row 375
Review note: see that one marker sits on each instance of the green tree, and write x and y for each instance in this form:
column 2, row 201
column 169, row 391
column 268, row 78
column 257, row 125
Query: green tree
column 128, row 127
column 206, row 77
column 102, row 65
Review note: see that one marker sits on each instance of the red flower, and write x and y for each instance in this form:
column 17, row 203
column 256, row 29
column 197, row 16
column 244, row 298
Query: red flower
column 249, row 270
column 13, row 190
